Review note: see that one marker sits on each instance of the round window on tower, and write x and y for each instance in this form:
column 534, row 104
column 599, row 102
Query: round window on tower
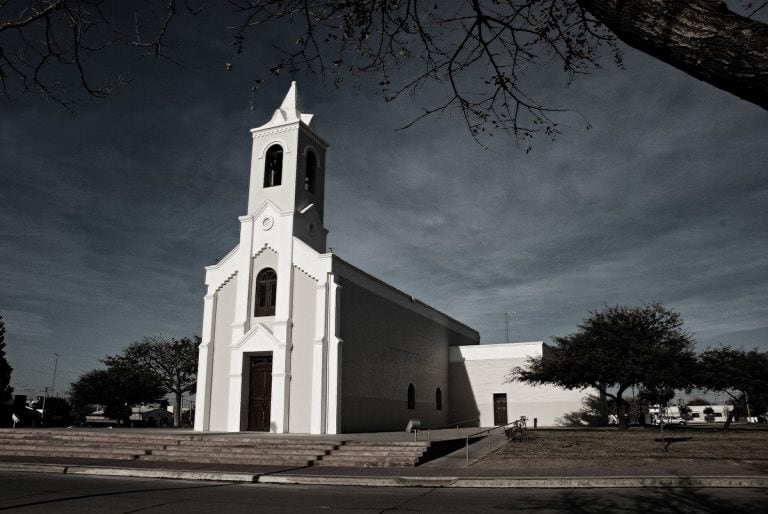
column 311, row 229
column 267, row 222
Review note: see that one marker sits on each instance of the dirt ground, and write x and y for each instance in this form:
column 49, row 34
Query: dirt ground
column 636, row 444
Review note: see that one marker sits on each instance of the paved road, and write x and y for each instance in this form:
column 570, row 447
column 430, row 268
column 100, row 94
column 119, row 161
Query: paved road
column 62, row 494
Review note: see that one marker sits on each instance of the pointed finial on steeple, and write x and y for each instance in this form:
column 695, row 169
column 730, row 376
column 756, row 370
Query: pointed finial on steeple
column 291, row 100
column 289, row 111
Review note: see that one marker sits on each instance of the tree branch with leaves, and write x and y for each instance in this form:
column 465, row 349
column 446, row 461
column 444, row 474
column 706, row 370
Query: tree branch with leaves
column 616, row 349
column 172, row 361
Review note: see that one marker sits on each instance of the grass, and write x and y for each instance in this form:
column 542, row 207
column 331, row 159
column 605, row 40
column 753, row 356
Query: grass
column 684, row 443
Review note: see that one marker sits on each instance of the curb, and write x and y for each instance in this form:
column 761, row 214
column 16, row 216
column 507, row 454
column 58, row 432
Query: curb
column 405, row 481
column 521, row 482
column 216, row 476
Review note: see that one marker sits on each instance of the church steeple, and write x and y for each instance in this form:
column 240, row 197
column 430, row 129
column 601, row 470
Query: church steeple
column 289, row 111
column 288, row 169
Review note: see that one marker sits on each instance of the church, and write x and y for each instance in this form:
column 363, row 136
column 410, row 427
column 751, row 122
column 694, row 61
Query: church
column 297, row 340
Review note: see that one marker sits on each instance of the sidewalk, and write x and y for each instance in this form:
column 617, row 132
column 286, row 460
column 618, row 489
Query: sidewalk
column 447, row 471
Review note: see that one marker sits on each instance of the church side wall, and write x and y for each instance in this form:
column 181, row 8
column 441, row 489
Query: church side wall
column 222, row 336
column 475, row 381
column 386, row 347
column 301, row 356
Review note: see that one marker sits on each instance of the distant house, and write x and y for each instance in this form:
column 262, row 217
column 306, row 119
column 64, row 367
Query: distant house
column 697, row 413
column 145, row 415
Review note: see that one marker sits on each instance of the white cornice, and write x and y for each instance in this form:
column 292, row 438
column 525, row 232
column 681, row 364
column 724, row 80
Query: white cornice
column 258, row 329
column 222, row 260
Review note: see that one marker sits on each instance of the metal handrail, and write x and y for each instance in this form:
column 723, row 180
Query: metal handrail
column 488, row 430
column 455, row 423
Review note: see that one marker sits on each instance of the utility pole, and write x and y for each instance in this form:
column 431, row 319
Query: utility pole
column 507, row 315
column 55, row 367
column 45, row 397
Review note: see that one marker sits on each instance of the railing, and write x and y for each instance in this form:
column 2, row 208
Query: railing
column 517, row 425
column 451, row 425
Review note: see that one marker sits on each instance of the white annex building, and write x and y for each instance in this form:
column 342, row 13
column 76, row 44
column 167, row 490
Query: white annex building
column 297, row 340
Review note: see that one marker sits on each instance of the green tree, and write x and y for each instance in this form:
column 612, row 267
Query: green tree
column 6, row 391
column 58, row 412
column 741, row 374
column 686, row 413
column 480, row 52
column 615, row 349
column 117, row 388
column 173, row 362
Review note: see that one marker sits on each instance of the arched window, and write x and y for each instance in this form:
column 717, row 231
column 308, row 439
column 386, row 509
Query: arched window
column 411, row 397
column 273, row 166
column 438, row 399
column 309, row 175
column 266, row 291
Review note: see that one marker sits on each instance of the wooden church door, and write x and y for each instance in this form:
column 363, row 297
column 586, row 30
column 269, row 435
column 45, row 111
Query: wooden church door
column 260, row 396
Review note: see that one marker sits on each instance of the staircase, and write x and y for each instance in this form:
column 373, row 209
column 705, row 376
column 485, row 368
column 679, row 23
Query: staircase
column 244, row 449
column 378, row 454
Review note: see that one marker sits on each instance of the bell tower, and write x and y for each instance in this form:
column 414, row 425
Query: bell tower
column 288, row 170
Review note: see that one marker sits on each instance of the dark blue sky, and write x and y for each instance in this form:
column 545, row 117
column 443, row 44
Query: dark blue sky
column 108, row 216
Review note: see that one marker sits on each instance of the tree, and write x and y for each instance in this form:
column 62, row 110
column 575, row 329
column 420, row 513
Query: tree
column 6, row 391
column 686, row 413
column 172, row 361
column 741, row 374
column 117, row 388
column 58, row 412
column 615, row 349
column 700, row 37
column 482, row 53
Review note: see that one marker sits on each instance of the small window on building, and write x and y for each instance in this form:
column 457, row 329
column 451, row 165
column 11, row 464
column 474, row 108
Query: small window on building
column 266, row 291
column 438, row 399
column 411, row 397
column 273, row 166
column 310, row 173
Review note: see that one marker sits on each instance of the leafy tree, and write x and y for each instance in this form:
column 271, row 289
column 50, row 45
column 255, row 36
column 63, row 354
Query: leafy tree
column 481, row 52
column 58, row 412
column 173, row 362
column 615, row 349
column 591, row 413
column 686, row 413
column 741, row 374
column 117, row 387
column 6, row 391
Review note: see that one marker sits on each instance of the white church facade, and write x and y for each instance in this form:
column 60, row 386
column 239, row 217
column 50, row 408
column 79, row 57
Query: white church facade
column 296, row 340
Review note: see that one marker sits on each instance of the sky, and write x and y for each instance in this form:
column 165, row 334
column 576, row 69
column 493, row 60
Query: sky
column 108, row 215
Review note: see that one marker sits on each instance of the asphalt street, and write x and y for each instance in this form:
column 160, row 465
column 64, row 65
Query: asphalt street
column 61, row 494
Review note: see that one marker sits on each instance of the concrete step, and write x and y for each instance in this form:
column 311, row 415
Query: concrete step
column 267, row 444
column 388, row 444
column 108, row 434
column 27, row 443
column 368, row 463
column 201, row 452
column 69, row 453
column 270, row 460
column 248, row 439
column 96, row 440
column 4, row 449
column 366, row 452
